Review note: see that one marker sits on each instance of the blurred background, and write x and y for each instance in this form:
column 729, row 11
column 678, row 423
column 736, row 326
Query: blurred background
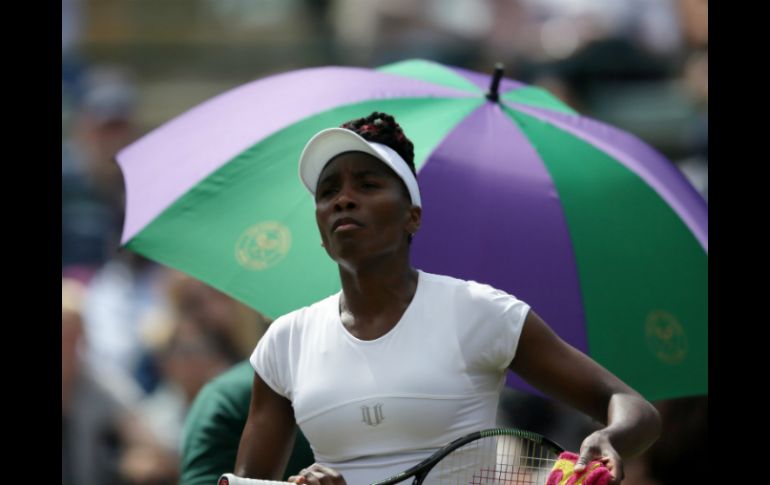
column 139, row 340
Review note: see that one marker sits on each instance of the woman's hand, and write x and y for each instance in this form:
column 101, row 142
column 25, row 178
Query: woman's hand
column 317, row 474
column 597, row 446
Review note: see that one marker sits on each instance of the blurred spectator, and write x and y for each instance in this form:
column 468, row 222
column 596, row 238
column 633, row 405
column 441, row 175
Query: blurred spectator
column 122, row 295
column 71, row 32
column 175, row 333
column 194, row 334
column 213, row 332
column 370, row 32
column 608, row 61
column 92, row 185
column 235, row 327
column 197, row 335
column 187, row 359
column 694, row 82
column 71, row 25
column 693, row 18
column 96, row 404
column 214, row 426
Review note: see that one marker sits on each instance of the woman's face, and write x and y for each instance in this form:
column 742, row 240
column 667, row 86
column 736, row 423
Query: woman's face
column 363, row 210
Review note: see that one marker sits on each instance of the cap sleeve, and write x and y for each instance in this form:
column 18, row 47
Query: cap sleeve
column 269, row 358
column 498, row 319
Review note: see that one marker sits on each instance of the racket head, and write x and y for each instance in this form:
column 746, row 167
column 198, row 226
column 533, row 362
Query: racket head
column 490, row 457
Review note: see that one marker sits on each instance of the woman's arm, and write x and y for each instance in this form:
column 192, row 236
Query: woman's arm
column 268, row 434
column 551, row 365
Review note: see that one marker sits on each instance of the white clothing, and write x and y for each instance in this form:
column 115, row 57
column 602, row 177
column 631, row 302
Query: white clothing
column 117, row 304
column 371, row 409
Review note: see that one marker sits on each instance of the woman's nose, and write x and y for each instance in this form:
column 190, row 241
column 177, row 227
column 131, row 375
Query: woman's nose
column 344, row 200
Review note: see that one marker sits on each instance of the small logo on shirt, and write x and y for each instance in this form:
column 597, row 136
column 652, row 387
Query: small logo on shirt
column 372, row 415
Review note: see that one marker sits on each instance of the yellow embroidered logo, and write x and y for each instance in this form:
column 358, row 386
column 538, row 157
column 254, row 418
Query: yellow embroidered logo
column 666, row 337
column 263, row 245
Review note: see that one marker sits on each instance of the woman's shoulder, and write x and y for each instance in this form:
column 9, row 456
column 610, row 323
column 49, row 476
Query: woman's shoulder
column 447, row 281
column 442, row 280
column 471, row 289
column 302, row 316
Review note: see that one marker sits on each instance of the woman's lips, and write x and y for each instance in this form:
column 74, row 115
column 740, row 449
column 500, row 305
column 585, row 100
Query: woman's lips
column 346, row 224
column 347, row 227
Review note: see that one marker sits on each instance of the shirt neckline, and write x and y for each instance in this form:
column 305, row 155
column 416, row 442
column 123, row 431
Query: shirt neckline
column 399, row 324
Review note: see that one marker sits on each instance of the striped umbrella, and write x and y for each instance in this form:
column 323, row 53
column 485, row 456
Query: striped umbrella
column 596, row 230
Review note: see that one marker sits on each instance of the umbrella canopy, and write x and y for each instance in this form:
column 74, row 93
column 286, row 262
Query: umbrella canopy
column 596, row 230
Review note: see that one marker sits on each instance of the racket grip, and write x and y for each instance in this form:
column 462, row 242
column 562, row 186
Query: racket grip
column 230, row 479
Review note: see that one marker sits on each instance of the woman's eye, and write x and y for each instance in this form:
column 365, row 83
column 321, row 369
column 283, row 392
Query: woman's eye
column 326, row 192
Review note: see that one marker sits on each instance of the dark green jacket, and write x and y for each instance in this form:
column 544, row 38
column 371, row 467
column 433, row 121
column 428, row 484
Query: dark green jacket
column 214, row 425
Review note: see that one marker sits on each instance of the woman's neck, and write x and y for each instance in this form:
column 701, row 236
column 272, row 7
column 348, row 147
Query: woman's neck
column 377, row 289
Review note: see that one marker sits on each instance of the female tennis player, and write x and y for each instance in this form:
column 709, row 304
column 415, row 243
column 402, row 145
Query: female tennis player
column 400, row 361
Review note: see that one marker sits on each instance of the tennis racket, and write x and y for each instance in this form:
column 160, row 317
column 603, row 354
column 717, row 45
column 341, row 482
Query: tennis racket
column 498, row 456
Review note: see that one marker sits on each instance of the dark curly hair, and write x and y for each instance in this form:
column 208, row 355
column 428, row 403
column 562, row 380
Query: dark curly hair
column 382, row 128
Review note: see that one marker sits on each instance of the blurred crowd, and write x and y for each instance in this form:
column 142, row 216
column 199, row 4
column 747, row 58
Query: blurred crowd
column 139, row 340
column 138, row 343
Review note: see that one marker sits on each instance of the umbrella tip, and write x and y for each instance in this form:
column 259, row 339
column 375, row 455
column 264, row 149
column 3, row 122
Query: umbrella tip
column 492, row 94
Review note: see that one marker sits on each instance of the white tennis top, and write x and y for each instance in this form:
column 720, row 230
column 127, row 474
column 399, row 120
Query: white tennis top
column 371, row 409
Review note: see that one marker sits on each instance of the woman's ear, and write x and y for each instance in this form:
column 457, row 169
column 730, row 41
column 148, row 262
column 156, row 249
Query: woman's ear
column 415, row 219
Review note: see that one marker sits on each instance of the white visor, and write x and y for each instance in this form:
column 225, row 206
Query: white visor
column 331, row 142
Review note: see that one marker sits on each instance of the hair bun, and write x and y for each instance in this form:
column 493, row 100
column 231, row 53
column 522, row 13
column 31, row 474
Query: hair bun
column 382, row 128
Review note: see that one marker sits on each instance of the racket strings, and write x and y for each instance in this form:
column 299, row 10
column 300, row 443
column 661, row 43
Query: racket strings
column 495, row 460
